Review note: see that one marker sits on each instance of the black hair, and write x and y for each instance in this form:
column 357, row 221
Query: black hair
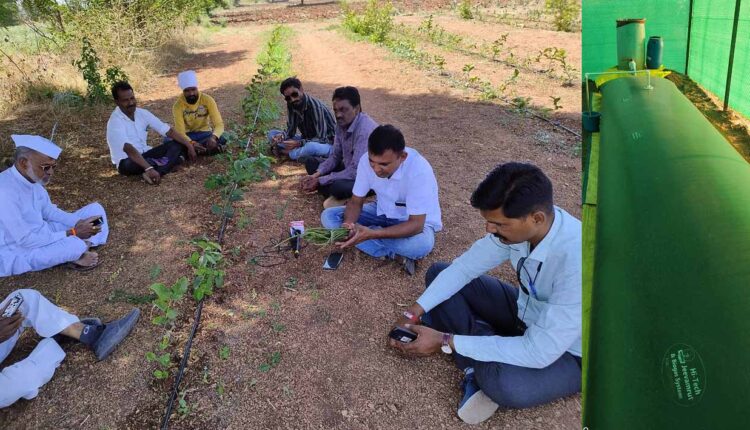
column 385, row 137
column 518, row 188
column 290, row 82
column 347, row 93
column 120, row 86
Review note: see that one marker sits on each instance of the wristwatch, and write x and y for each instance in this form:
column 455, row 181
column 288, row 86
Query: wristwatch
column 446, row 347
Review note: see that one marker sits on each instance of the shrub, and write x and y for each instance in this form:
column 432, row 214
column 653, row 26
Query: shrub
column 374, row 23
column 564, row 13
column 88, row 65
column 464, row 9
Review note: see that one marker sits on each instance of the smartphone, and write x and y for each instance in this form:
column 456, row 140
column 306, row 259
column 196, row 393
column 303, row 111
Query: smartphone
column 97, row 221
column 402, row 335
column 13, row 305
column 333, row 260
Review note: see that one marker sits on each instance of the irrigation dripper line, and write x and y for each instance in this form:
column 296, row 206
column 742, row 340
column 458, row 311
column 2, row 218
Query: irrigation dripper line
column 199, row 308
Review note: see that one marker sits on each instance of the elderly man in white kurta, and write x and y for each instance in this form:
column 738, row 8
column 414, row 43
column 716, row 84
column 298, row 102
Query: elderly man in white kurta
column 24, row 378
column 34, row 233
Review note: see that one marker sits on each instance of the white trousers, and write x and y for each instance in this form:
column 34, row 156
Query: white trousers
column 24, row 378
column 69, row 249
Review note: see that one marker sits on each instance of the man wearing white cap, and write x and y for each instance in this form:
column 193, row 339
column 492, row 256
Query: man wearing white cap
column 34, row 233
column 197, row 117
column 127, row 133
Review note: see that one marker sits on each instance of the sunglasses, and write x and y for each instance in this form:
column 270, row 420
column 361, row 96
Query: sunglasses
column 292, row 95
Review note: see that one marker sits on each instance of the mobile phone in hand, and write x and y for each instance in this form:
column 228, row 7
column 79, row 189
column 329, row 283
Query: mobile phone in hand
column 13, row 305
column 402, row 335
column 97, row 222
column 333, row 260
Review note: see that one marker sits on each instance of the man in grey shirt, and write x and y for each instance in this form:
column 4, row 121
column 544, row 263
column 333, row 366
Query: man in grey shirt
column 334, row 177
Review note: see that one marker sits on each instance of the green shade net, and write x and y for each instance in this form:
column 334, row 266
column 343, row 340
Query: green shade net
column 709, row 50
column 710, row 40
column 665, row 19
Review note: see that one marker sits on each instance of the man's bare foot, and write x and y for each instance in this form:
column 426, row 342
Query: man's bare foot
column 88, row 259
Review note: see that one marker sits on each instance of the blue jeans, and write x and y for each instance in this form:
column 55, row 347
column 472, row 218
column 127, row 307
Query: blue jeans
column 311, row 148
column 414, row 247
column 487, row 307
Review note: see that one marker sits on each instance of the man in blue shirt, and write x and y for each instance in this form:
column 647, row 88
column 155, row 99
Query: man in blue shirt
column 517, row 348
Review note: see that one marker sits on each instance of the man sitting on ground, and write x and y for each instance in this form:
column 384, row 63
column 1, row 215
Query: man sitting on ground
column 517, row 350
column 406, row 215
column 34, row 233
column 197, row 117
column 127, row 133
column 311, row 117
column 24, row 378
column 334, row 177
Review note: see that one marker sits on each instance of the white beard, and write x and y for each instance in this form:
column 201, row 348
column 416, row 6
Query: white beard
column 37, row 180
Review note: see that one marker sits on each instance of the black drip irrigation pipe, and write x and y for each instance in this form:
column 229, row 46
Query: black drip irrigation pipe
column 199, row 308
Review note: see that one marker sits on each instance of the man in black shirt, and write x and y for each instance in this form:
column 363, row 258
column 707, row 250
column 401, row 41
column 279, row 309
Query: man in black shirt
column 311, row 117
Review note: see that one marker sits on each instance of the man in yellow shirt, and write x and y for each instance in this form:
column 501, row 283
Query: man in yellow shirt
column 197, row 117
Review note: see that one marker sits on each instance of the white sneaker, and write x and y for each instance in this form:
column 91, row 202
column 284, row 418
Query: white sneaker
column 475, row 406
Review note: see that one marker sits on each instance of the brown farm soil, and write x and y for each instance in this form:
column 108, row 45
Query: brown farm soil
column 525, row 44
column 306, row 347
column 285, row 12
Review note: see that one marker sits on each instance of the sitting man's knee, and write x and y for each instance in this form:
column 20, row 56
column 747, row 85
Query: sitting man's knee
column 500, row 388
column 433, row 271
column 332, row 217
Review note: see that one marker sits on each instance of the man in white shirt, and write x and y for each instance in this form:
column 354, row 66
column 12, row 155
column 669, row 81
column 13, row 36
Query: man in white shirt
column 127, row 133
column 404, row 220
column 34, row 233
column 24, row 378
column 517, row 349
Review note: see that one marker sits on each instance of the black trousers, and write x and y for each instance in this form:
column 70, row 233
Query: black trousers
column 172, row 150
column 340, row 190
column 487, row 307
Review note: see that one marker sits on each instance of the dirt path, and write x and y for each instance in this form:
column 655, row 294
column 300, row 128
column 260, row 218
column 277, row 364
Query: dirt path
column 149, row 229
column 308, row 346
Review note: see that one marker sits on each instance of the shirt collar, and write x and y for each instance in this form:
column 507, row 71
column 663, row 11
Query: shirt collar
column 20, row 178
column 353, row 126
column 399, row 173
column 542, row 249
column 305, row 103
column 122, row 115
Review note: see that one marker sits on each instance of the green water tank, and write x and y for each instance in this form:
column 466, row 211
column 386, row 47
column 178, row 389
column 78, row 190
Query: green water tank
column 668, row 346
column 631, row 38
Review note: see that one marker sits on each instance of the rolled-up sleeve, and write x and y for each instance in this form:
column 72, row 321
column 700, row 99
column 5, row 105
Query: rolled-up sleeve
column 155, row 123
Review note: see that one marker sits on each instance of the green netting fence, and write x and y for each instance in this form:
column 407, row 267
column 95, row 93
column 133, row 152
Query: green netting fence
column 697, row 34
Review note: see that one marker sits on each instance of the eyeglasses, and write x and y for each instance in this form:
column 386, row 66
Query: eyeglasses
column 292, row 95
column 520, row 325
column 520, row 266
column 47, row 167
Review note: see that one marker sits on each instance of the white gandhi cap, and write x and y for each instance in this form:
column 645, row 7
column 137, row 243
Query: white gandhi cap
column 38, row 144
